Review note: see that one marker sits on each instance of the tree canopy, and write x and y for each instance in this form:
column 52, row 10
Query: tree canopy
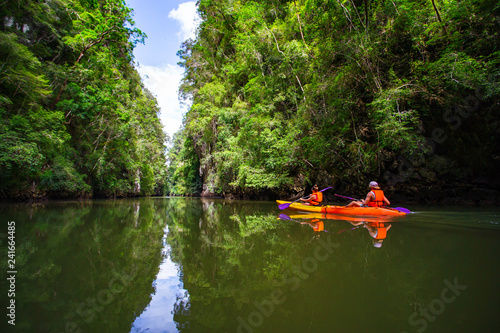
column 76, row 119
column 283, row 94
column 292, row 92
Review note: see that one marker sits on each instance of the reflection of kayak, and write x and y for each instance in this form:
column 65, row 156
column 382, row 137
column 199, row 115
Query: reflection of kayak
column 373, row 211
column 326, row 216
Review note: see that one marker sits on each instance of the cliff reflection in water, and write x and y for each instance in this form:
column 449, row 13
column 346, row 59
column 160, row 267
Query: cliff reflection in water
column 233, row 254
column 85, row 266
column 229, row 253
column 210, row 265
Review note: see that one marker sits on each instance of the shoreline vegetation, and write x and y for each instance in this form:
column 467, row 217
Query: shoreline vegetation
column 284, row 94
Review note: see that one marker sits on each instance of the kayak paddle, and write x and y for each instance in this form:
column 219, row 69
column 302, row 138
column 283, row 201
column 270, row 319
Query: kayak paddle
column 400, row 209
column 347, row 197
column 286, row 205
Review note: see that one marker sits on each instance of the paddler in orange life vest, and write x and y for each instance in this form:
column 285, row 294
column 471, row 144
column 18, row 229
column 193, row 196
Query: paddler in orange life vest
column 376, row 228
column 315, row 198
column 317, row 224
column 374, row 198
column 378, row 231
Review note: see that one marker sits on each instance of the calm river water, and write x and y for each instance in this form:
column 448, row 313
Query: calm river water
column 208, row 265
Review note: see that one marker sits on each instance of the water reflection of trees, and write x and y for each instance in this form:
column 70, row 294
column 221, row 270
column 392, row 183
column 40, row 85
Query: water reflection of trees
column 230, row 255
column 234, row 254
column 228, row 251
column 85, row 265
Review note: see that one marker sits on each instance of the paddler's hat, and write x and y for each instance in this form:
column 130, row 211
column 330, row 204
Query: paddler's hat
column 373, row 184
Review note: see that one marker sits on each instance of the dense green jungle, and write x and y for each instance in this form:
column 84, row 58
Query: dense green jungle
column 76, row 120
column 283, row 94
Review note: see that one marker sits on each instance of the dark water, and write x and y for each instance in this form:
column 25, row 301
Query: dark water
column 197, row 265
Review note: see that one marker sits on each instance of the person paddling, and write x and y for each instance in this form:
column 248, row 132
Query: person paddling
column 317, row 224
column 374, row 198
column 378, row 231
column 315, row 198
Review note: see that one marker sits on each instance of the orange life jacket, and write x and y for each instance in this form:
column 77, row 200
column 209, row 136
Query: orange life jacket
column 379, row 199
column 317, row 225
column 318, row 200
column 381, row 230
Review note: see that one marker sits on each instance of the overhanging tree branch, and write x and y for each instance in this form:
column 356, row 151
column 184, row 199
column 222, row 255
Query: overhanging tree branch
column 438, row 15
column 82, row 53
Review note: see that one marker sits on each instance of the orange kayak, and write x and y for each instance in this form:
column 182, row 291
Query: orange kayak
column 325, row 216
column 343, row 210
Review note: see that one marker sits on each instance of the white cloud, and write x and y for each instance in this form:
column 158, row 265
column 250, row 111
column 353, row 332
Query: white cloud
column 188, row 18
column 164, row 82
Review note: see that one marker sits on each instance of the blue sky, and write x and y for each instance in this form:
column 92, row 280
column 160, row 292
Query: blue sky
column 167, row 23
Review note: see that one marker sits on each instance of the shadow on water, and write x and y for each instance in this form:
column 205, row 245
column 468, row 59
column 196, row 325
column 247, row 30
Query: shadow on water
column 210, row 265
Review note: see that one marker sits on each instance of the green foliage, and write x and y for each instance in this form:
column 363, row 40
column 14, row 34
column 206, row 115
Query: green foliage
column 21, row 80
column 18, row 158
column 61, row 177
column 74, row 249
column 285, row 91
column 397, row 123
column 184, row 177
column 76, row 119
